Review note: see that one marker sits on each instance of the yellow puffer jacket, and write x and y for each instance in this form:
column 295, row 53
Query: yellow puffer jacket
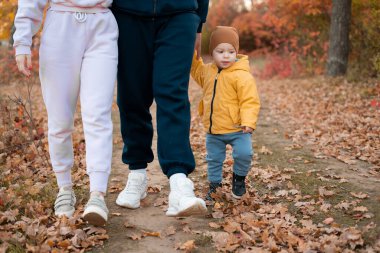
column 230, row 99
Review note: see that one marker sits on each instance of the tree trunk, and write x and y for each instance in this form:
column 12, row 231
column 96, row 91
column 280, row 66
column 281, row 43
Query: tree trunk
column 10, row 41
column 339, row 40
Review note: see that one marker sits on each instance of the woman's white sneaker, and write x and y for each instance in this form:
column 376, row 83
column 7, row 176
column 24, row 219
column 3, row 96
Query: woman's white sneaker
column 96, row 211
column 64, row 204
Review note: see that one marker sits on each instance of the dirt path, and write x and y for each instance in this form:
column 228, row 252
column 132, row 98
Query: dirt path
column 126, row 227
column 150, row 217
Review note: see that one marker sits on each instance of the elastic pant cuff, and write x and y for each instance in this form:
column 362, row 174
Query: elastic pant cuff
column 63, row 178
column 98, row 181
column 137, row 166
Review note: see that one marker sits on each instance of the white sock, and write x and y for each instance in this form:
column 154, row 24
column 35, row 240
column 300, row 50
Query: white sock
column 142, row 171
column 97, row 193
column 173, row 180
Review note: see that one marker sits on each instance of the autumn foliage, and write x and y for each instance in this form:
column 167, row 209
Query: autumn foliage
column 295, row 33
column 7, row 15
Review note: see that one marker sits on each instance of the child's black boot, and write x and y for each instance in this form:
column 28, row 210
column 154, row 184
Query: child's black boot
column 212, row 189
column 238, row 186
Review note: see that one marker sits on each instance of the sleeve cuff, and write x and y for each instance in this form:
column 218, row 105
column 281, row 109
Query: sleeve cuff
column 199, row 30
column 21, row 49
column 249, row 124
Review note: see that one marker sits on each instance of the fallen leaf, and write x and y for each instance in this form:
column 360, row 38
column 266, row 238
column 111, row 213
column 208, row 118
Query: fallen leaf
column 217, row 215
column 154, row 234
column 359, row 195
column 361, row 209
column 214, row 225
column 169, row 231
column 188, row 246
column 135, row 237
column 328, row 221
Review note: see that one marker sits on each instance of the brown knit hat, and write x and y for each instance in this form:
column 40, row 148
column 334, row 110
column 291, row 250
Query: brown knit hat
column 224, row 34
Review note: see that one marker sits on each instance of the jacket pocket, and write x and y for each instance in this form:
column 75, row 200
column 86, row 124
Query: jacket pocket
column 234, row 115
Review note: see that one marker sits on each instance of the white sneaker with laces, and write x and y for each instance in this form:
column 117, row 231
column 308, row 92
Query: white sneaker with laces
column 65, row 203
column 134, row 191
column 182, row 200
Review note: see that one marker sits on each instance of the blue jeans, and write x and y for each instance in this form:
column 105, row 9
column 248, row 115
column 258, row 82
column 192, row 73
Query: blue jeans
column 216, row 153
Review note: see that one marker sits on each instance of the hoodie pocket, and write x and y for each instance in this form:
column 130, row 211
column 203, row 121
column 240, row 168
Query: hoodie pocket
column 48, row 20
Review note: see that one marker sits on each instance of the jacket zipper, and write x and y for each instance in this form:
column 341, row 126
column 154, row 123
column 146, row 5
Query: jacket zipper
column 212, row 100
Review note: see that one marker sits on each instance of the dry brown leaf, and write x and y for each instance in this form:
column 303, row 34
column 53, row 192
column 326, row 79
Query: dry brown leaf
column 343, row 205
column 154, row 189
column 64, row 230
column 231, row 226
column 186, row 229
column 188, row 246
column 328, row 221
column 265, row 151
column 325, row 207
column 95, row 230
column 359, row 195
column 325, row 193
column 64, row 244
column 217, row 215
column 361, row 209
column 127, row 225
column 214, row 225
column 154, row 234
column 135, row 237
column 170, row 231
column 220, row 239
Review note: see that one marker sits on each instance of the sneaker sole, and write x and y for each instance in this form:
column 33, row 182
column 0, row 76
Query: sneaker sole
column 130, row 206
column 196, row 209
column 236, row 196
column 95, row 216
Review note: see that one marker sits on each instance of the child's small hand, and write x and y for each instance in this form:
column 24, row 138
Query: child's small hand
column 247, row 129
column 24, row 63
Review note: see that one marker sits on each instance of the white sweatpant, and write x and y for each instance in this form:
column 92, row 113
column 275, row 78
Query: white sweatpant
column 78, row 56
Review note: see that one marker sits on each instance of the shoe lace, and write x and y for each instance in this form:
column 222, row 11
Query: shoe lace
column 134, row 185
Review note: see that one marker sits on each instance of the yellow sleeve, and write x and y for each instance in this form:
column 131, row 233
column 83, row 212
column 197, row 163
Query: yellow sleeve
column 249, row 101
column 197, row 69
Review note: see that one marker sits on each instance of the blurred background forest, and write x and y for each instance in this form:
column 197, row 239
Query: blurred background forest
column 287, row 38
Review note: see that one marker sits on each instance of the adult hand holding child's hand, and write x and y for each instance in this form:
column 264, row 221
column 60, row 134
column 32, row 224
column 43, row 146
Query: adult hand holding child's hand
column 24, row 63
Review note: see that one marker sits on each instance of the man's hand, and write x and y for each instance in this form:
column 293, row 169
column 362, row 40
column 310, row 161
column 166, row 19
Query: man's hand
column 198, row 45
column 24, row 63
column 247, row 129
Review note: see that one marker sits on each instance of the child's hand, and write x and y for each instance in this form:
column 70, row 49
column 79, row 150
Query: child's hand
column 247, row 129
column 24, row 63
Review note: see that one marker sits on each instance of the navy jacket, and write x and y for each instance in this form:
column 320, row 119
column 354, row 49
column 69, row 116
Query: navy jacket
column 160, row 8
